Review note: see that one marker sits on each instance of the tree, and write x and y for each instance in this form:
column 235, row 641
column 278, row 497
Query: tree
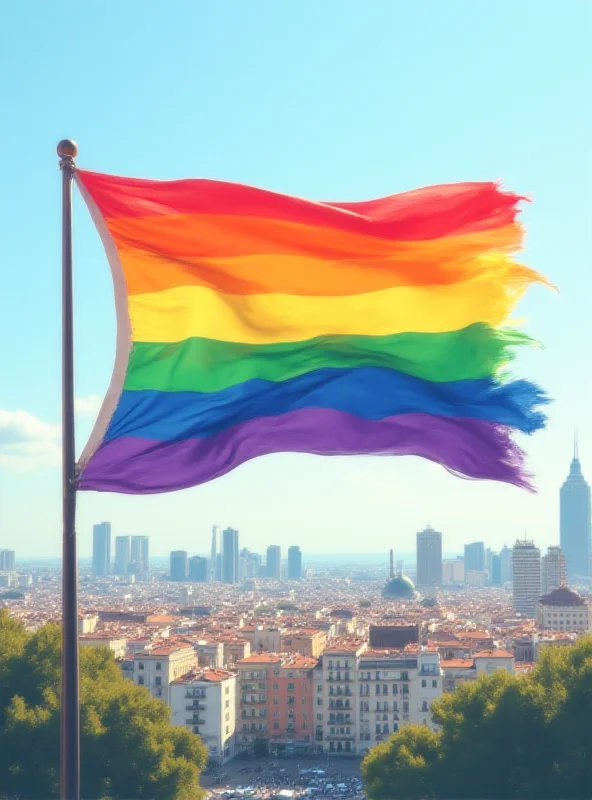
column 260, row 748
column 365, row 604
column 504, row 736
column 128, row 746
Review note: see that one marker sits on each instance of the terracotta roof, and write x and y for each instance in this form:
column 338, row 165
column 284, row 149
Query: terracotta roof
column 458, row 663
column 493, row 654
column 260, row 658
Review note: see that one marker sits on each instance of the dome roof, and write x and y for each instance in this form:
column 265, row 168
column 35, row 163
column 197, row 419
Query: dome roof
column 562, row 597
column 399, row 588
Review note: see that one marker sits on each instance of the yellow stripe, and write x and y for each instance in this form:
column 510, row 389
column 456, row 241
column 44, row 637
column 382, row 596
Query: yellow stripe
column 185, row 311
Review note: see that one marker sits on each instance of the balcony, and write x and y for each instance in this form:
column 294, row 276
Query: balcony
column 340, row 737
column 195, row 695
column 195, row 707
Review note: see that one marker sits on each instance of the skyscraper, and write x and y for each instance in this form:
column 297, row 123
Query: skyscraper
column 496, row 570
column 178, row 565
column 122, row 554
column 274, row 562
column 506, row 564
column 294, row 563
column 141, row 551
column 554, row 572
column 526, row 577
column 214, row 552
column 230, row 556
column 7, row 560
column 198, row 569
column 101, row 560
column 575, row 519
column 474, row 557
column 429, row 557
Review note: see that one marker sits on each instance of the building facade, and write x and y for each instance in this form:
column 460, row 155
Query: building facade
column 7, row 560
column 101, row 559
column 204, row 702
column 274, row 562
column 554, row 573
column 276, row 702
column 564, row 610
column 506, row 564
column 575, row 520
column 230, row 557
column 475, row 557
column 294, row 563
column 526, row 577
column 429, row 558
column 122, row 554
column 198, row 569
column 156, row 669
column 178, row 565
column 140, row 557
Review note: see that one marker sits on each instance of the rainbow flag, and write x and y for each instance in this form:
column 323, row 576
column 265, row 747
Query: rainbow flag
column 251, row 322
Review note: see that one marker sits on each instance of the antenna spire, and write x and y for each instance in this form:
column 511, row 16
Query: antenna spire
column 576, row 449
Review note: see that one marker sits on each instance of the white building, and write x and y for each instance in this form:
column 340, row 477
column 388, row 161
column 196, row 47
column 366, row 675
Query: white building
column 364, row 696
column 205, row 703
column 564, row 610
column 156, row 669
column 117, row 644
column 526, row 577
column 554, row 572
column 453, row 571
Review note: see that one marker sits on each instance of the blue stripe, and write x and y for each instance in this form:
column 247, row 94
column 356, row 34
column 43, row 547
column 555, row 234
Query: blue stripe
column 371, row 393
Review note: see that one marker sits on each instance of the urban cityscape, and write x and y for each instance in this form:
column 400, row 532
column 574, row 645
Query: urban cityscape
column 267, row 654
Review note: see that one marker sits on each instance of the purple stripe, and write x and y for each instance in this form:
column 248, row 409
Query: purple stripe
column 467, row 447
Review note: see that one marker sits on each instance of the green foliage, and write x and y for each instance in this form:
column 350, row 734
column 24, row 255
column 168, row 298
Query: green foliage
column 129, row 748
column 429, row 602
column 365, row 604
column 504, row 736
column 286, row 605
column 12, row 594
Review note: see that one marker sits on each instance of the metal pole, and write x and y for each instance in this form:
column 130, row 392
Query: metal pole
column 70, row 712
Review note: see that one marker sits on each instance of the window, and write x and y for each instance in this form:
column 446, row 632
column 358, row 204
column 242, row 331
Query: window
column 141, row 665
column 140, row 680
column 276, row 726
column 304, row 699
column 290, row 687
column 276, row 713
column 319, row 716
column 434, row 684
column 319, row 701
column 276, row 701
column 377, row 728
column 424, row 683
column 158, row 681
column 424, row 706
column 158, row 665
column 320, row 687
column 304, row 726
column 276, row 687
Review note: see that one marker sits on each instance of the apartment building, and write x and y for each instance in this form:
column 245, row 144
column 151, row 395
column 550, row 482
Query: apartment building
column 308, row 642
column 364, row 696
column 564, row 610
column 117, row 644
column 204, row 702
column 276, row 701
column 156, row 669
column 457, row 671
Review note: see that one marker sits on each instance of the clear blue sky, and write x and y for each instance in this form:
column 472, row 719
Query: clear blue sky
column 330, row 100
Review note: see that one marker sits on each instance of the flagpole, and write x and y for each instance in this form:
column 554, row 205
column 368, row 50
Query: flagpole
column 70, row 712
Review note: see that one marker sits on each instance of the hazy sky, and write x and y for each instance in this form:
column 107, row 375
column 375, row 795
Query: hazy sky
column 330, row 100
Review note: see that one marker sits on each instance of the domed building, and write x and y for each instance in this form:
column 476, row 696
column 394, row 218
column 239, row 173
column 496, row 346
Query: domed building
column 398, row 587
column 564, row 610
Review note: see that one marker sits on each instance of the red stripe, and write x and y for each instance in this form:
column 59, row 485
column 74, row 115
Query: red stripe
column 428, row 213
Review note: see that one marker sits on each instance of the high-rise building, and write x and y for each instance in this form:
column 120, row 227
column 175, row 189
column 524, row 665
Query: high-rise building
column 453, row 570
column 141, row 551
column 554, row 571
column 101, row 560
column 475, row 557
column 526, row 577
column 506, row 564
column 274, row 562
column 496, row 570
column 575, row 519
column 214, row 552
column 198, row 569
column 250, row 564
column 429, row 557
column 230, row 557
column 178, row 565
column 7, row 560
column 123, row 549
column 294, row 563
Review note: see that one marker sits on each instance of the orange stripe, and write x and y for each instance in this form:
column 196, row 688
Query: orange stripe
column 245, row 256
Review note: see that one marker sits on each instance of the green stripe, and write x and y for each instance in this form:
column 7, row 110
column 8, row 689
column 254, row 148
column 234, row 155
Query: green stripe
column 209, row 365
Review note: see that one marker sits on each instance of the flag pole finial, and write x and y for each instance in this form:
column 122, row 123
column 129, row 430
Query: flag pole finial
column 67, row 150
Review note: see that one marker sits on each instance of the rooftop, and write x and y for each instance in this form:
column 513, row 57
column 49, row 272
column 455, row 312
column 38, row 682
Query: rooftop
column 562, row 597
